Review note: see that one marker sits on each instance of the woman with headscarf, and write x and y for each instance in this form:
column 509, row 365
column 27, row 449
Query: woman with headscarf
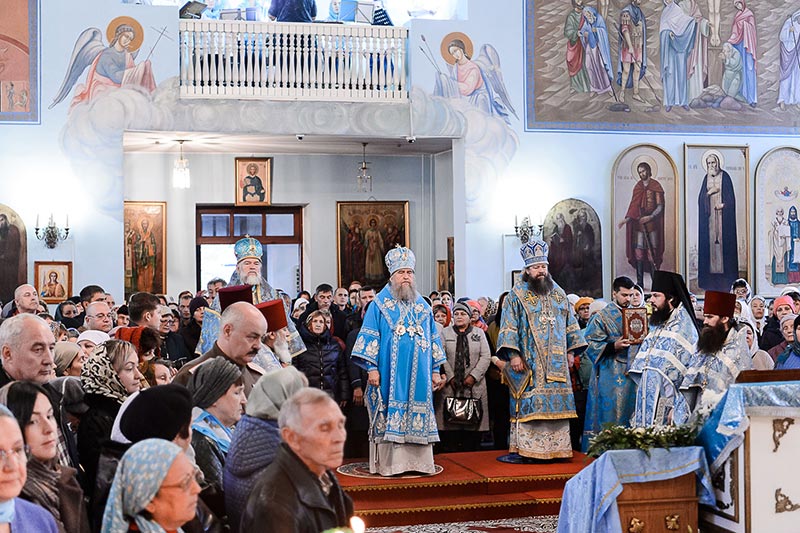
column 218, row 396
column 49, row 484
column 154, row 491
column 108, row 376
column 761, row 359
column 790, row 358
column 191, row 331
column 758, row 306
column 441, row 315
column 468, row 359
column 17, row 514
column 257, row 437
column 68, row 358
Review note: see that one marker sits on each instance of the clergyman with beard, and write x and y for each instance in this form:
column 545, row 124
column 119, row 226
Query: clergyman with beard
column 399, row 347
column 664, row 355
column 537, row 334
column 722, row 353
column 248, row 272
column 611, row 391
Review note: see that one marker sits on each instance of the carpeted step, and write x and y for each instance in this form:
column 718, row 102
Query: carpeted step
column 459, row 508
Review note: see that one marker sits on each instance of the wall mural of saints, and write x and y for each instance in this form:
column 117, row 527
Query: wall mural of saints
column 778, row 229
column 697, row 65
column 366, row 231
column 717, row 216
column 19, row 62
column 13, row 253
column 572, row 229
column 145, row 247
column 644, row 212
column 109, row 66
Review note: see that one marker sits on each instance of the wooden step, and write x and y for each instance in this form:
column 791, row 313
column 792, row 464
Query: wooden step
column 460, row 508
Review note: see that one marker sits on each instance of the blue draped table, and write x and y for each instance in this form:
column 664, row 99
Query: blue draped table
column 589, row 503
column 724, row 430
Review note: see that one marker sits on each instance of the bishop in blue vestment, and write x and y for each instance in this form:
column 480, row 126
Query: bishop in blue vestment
column 536, row 333
column 611, row 392
column 400, row 348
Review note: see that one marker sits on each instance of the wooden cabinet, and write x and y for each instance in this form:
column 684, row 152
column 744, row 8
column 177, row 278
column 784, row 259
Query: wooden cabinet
column 659, row 506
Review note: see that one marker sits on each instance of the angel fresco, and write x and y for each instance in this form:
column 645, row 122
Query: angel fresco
column 111, row 66
column 478, row 80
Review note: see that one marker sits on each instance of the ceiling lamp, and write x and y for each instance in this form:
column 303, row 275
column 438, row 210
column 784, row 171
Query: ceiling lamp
column 364, row 179
column 181, row 179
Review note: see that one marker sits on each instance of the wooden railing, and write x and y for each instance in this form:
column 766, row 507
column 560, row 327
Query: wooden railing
column 288, row 61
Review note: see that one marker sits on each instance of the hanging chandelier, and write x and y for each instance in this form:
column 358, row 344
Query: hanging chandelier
column 364, row 180
column 181, row 178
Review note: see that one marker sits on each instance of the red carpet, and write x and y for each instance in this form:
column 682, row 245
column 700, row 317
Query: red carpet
column 472, row 487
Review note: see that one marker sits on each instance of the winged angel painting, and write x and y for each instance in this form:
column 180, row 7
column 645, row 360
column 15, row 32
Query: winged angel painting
column 110, row 66
column 478, row 80
column 474, row 86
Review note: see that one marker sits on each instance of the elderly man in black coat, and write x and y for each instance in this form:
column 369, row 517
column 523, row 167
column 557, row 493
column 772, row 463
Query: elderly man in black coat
column 298, row 492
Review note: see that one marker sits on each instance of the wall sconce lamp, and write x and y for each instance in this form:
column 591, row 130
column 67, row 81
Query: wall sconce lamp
column 181, row 178
column 51, row 233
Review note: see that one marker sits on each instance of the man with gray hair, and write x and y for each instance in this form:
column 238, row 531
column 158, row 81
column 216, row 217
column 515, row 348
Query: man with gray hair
column 26, row 300
column 400, row 348
column 26, row 347
column 298, row 492
column 242, row 327
column 98, row 317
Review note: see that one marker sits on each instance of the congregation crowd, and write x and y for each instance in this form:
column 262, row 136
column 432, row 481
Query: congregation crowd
column 231, row 408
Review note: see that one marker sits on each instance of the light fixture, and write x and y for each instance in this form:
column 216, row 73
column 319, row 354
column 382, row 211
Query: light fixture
column 526, row 230
column 51, row 233
column 181, row 179
column 364, row 179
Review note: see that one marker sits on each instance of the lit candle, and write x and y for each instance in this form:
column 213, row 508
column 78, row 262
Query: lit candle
column 67, row 220
column 37, row 220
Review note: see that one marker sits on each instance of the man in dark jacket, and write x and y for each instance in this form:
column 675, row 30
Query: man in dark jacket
column 298, row 492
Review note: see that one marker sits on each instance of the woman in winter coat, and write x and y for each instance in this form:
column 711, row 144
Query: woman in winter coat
column 322, row 362
column 468, row 359
column 256, row 438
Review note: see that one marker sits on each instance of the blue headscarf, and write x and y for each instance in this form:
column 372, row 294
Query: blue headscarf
column 139, row 477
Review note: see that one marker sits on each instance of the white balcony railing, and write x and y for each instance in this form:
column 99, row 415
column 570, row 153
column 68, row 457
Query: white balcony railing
column 287, row 61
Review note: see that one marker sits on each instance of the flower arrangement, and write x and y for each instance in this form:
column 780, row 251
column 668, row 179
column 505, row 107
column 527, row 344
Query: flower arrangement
column 625, row 438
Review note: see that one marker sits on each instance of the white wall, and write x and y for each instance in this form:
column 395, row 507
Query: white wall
column 316, row 181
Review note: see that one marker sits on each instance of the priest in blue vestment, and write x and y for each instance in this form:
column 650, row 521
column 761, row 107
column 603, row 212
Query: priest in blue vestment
column 538, row 334
column 664, row 355
column 722, row 353
column 400, row 348
column 611, row 392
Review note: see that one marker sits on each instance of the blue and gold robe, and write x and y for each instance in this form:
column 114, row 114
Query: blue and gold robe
column 659, row 369
column 401, row 341
column 541, row 330
column 262, row 292
column 611, row 392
